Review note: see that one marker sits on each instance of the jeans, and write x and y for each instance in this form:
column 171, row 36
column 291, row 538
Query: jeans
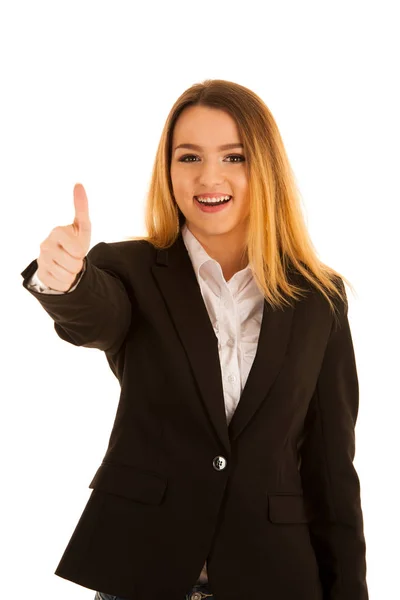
column 198, row 592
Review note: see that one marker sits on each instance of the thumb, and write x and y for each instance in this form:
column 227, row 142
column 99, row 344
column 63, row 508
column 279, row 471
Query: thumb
column 81, row 222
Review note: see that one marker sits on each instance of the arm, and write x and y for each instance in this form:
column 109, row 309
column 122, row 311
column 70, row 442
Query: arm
column 330, row 483
column 97, row 313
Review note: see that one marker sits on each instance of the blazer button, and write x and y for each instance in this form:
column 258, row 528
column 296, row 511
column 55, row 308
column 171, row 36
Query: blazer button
column 219, row 463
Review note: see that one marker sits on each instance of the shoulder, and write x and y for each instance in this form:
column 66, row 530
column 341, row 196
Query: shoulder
column 313, row 295
column 134, row 251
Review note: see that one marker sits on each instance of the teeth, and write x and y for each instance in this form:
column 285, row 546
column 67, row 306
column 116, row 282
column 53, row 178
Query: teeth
column 205, row 199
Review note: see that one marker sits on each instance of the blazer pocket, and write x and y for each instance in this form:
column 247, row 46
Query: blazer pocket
column 131, row 482
column 287, row 508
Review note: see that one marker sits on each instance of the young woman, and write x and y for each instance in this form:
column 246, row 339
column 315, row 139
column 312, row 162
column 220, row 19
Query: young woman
column 229, row 471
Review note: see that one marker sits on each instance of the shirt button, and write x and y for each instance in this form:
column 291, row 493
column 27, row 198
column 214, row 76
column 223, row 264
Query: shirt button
column 230, row 343
column 231, row 378
column 216, row 327
column 219, row 346
column 226, row 303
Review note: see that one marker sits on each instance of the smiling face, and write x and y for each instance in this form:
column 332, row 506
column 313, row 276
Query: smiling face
column 207, row 168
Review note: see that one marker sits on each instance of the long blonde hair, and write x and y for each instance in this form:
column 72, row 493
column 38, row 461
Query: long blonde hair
column 277, row 234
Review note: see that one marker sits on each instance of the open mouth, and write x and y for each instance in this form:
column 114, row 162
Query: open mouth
column 218, row 203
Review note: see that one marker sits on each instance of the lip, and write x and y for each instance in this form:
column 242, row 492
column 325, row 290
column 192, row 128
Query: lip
column 213, row 195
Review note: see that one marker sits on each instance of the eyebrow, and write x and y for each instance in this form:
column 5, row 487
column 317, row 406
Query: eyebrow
column 223, row 147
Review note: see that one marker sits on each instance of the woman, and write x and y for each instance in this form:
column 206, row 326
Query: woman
column 229, row 471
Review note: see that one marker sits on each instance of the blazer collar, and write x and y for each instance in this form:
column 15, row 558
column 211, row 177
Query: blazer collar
column 175, row 276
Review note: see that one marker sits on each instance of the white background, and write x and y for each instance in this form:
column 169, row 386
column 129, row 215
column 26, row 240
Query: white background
column 86, row 87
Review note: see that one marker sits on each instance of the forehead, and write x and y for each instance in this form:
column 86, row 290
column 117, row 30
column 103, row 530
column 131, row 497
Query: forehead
column 205, row 126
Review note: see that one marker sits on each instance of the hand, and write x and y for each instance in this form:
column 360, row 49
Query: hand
column 61, row 254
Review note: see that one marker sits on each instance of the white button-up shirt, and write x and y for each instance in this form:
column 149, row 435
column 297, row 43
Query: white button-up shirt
column 235, row 308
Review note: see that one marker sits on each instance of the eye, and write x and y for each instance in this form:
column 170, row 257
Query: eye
column 183, row 158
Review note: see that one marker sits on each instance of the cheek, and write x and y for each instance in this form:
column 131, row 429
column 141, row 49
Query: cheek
column 184, row 188
column 243, row 181
column 180, row 180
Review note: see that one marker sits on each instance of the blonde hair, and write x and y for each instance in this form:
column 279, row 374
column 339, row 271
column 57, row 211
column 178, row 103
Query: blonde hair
column 277, row 234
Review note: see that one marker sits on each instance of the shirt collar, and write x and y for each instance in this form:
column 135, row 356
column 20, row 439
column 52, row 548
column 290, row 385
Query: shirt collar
column 197, row 253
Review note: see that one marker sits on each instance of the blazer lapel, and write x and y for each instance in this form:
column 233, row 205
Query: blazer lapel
column 177, row 282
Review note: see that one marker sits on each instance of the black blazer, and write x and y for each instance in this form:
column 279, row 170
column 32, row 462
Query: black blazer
column 273, row 500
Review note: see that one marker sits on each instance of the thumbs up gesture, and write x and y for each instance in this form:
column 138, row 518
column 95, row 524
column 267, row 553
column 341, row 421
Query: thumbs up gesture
column 61, row 254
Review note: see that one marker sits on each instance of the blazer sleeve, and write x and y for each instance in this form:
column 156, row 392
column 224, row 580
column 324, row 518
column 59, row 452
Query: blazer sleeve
column 98, row 312
column 331, row 486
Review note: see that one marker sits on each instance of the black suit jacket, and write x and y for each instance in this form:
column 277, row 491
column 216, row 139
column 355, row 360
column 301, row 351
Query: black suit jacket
column 273, row 500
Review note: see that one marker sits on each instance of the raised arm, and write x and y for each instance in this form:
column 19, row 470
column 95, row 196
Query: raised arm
column 97, row 312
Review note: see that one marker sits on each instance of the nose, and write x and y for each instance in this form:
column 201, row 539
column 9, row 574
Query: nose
column 211, row 174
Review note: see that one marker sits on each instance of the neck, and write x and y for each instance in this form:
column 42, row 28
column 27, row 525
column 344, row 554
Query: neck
column 226, row 249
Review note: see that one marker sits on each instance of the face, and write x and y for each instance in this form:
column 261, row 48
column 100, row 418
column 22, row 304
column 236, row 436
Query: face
column 208, row 169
